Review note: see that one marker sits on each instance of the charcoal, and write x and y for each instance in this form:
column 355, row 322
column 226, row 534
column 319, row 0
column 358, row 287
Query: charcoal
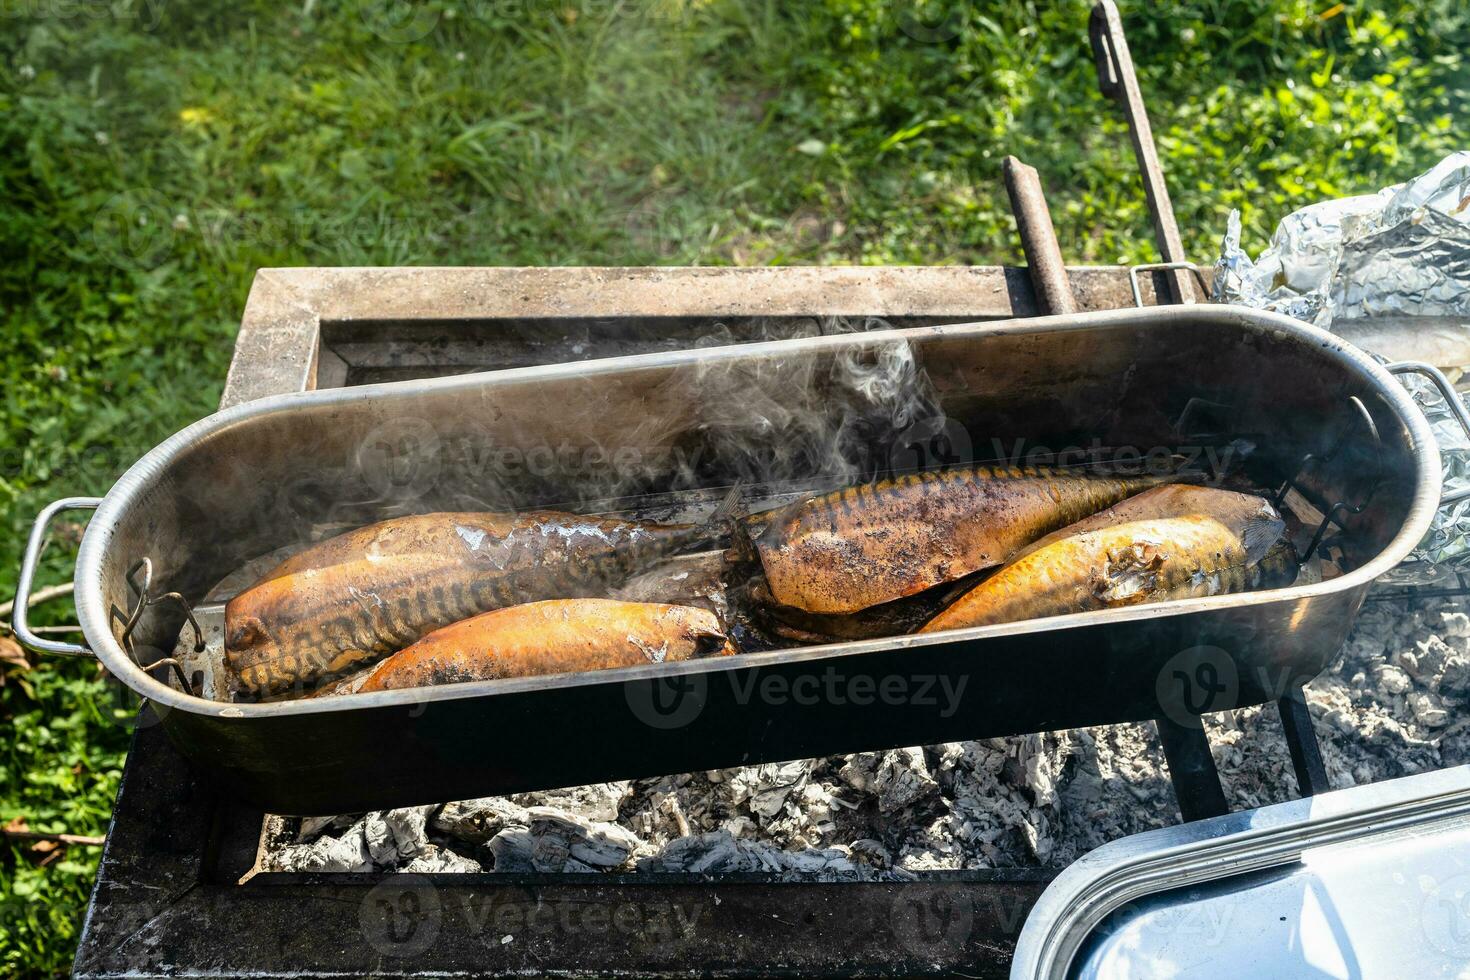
column 440, row 860
column 898, row 778
column 349, row 852
column 563, row 842
column 477, row 821
column 1391, row 703
column 720, row 853
column 512, row 850
column 599, row 801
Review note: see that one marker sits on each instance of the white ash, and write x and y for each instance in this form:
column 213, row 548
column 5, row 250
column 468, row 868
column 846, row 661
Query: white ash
column 563, row 842
column 327, row 853
column 720, row 852
column 478, row 821
column 441, row 860
column 1391, row 704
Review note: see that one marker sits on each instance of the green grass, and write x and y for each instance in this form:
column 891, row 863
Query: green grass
column 153, row 155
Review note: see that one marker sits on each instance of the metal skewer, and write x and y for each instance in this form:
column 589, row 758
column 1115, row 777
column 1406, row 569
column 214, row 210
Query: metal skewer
column 1118, row 81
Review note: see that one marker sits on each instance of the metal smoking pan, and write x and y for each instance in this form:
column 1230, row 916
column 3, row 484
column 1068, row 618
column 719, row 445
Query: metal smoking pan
column 1313, row 410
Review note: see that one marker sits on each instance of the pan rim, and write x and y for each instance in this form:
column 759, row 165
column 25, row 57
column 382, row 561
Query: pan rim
column 141, row 475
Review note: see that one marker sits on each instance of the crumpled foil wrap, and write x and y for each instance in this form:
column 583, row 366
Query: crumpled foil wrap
column 1400, row 257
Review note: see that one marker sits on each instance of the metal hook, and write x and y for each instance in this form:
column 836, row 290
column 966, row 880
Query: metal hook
column 1452, row 400
column 1341, row 507
column 146, row 601
column 1134, row 270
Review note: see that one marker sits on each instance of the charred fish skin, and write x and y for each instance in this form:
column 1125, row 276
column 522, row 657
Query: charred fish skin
column 553, row 637
column 1277, row 569
column 355, row 598
column 1120, row 565
column 855, row 548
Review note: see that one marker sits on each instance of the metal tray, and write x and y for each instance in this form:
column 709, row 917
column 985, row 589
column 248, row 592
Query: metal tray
column 256, row 477
column 1363, row 882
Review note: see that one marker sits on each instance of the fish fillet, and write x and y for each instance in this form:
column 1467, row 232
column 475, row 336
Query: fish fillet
column 858, row 547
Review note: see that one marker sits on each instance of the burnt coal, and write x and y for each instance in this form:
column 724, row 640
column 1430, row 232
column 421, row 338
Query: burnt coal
column 1390, row 705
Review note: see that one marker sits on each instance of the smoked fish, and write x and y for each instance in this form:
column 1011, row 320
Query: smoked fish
column 553, row 637
column 1157, row 503
column 1121, row 565
column 362, row 595
column 855, row 548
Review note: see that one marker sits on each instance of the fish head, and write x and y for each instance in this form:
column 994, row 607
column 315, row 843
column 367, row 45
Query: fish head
column 254, row 652
column 703, row 629
column 1253, row 519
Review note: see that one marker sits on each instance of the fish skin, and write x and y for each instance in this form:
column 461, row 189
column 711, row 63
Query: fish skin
column 855, row 548
column 897, row 618
column 1165, row 501
column 1120, row 565
column 358, row 597
column 552, row 637
column 696, row 579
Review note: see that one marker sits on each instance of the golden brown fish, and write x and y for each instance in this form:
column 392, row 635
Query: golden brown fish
column 1157, row 503
column 360, row 596
column 554, row 637
column 775, row 622
column 1121, row 565
column 855, row 548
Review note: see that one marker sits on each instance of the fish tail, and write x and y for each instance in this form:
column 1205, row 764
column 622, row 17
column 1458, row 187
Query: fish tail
column 732, row 506
column 723, row 524
column 1259, row 534
column 720, row 527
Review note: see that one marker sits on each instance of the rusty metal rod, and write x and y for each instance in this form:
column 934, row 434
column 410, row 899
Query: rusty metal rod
column 1038, row 238
column 1118, row 81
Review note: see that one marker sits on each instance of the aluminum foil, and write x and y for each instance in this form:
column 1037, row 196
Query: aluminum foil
column 1385, row 269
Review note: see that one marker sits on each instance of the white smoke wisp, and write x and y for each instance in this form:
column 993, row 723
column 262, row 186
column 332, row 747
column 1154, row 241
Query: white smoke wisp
column 828, row 416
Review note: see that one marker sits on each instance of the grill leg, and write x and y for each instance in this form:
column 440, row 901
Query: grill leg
column 1301, row 741
column 1192, row 770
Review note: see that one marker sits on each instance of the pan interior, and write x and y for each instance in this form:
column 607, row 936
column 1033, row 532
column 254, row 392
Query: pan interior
column 664, row 437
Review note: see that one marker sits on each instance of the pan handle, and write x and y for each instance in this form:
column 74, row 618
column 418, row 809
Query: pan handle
column 28, row 564
column 1190, row 267
column 1451, row 398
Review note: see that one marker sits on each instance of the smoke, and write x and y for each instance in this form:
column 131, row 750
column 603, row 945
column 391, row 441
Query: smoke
column 828, row 417
column 810, row 419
